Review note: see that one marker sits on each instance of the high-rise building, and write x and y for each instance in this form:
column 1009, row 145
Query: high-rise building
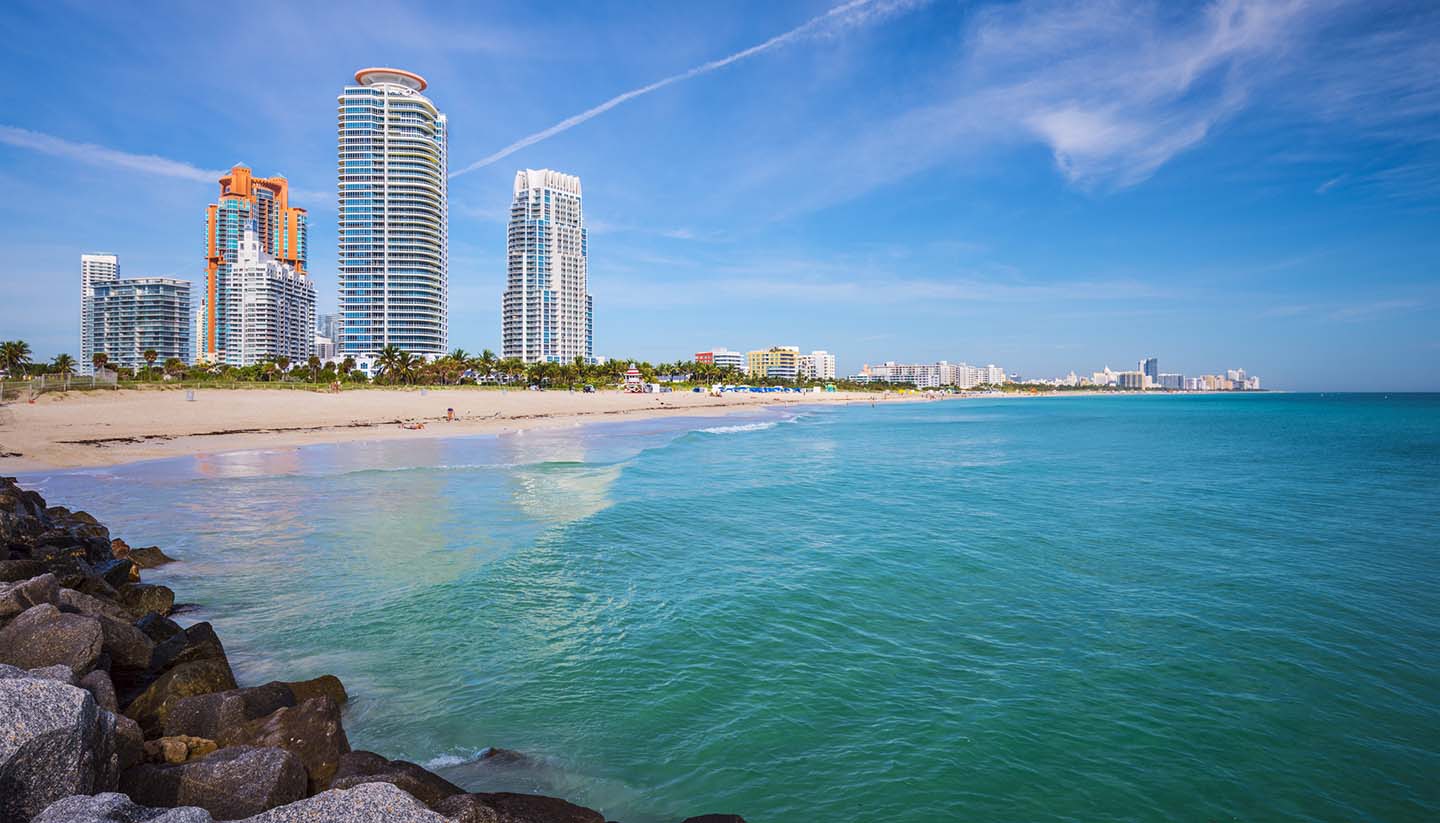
column 546, row 311
column 246, row 203
column 94, row 270
column 327, row 325
column 394, row 216
column 273, row 312
column 1150, row 371
column 129, row 316
column 817, row 365
column 776, row 362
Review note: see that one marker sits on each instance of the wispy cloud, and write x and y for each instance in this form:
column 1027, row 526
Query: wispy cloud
column 850, row 14
column 97, row 155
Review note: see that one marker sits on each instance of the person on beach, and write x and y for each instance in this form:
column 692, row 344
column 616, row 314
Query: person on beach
column 450, row 414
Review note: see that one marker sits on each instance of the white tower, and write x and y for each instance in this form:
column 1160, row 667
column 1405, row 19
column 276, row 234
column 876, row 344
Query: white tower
column 547, row 313
column 94, row 270
column 394, row 216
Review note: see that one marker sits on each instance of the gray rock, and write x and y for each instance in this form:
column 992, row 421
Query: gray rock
column 185, row 680
column 81, row 603
column 20, row 569
column 149, row 557
column 359, row 768
column 157, row 627
column 116, row 808
column 43, row 636
column 100, row 687
column 232, row 783
column 54, row 742
column 370, row 803
column 326, row 685
column 140, row 598
column 129, row 743
column 127, row 646
column 199, row 642
column 506, row 807
column 18, row 596
column 118, row 571
column 59, row 671
column 214, row 716
column 311, row 731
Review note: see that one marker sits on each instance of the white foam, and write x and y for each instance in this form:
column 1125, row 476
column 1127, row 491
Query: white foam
column 744, row 427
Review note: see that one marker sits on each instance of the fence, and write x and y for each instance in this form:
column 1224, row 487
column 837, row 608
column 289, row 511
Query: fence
column 38, row 385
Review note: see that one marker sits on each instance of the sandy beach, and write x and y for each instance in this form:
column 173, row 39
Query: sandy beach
column 96, row 428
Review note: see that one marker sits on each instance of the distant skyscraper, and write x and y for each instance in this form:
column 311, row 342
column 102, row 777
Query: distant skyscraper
column 275, row 313
column 282, row 231
column 394, row 216
column 1150, row 368
column 327, row 325
column 131, row 315
column 546, row 311
column 94, row 270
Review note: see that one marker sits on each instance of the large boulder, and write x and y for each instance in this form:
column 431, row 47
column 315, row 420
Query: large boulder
column 311, row 730
column 359, row 768
column 215, row 715
column 118, row 572
column 199, row 642
column 326, row 685
column 43, row 636
column 140, row 598
column 370, row 803
column 16, row 597
column 113, row 807
column 185, row 680
column 177, row 749
column 100, row 687
column 506, row 807
column 81, row 603
column 149, row 557
column 127, row 646
column 230, row 784
column 157, row 627
column 54, row 742
column 20, row 569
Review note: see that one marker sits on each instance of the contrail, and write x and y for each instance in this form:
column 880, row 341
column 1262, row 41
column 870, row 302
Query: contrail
column 852, row 13
column 102, row 156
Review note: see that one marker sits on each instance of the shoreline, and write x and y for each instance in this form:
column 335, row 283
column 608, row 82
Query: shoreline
column 95, row 430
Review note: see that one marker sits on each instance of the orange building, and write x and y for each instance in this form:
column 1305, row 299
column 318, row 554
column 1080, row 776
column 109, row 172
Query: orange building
column 281, row 228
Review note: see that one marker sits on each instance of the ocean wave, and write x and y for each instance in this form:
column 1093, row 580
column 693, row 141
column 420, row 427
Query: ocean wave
column 742, row 427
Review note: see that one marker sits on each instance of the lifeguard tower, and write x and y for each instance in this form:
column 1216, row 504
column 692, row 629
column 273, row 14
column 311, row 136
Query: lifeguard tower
column 633, row 383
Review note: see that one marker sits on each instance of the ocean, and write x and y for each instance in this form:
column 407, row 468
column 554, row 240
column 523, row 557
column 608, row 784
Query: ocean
column 1203, row 608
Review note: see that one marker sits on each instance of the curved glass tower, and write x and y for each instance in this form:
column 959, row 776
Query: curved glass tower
column 394, row 216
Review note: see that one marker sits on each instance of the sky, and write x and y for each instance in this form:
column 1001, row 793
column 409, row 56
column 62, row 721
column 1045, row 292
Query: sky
column 1042, row 185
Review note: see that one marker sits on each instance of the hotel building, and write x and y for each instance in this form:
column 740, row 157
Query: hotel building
column 722, row 357
column 247, row 205
column 777, row 362
column 127, row 317
column 546, row 311
column 817, row 365
column 394, row 216
column 94, row 270
column 272, row 312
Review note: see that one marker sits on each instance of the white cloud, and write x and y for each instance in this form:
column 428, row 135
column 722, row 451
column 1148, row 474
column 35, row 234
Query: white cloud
column 97, row 155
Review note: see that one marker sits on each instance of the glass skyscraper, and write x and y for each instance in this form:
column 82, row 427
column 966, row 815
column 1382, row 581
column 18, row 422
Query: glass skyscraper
column 394, row 216
column 546, row 311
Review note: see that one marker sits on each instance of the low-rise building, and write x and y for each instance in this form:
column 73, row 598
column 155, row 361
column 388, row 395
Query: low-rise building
column 722, row 357
column 129, row 316
column 775, row 363
column 818, row 365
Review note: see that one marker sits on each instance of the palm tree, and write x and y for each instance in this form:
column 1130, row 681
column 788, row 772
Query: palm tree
column 347, row 365
column 174, row 367
column 14, row 356
column 99, row 360
column 388, row 359
column 314, row 364
column 150, row 356
column 63, row 364
column 283, row 363
column 485, row 363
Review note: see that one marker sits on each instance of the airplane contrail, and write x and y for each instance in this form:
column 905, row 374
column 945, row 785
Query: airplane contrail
column 851, row 13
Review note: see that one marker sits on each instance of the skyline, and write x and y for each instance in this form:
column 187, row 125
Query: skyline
column 1251, row 183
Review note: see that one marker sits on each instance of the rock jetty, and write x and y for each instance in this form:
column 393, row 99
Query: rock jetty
column 111, row 712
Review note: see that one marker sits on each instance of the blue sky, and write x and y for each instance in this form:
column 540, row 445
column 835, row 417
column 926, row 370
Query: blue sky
column 1044, row 185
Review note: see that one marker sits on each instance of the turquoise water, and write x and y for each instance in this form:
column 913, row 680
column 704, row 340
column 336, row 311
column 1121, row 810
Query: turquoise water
column 1149, row 609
